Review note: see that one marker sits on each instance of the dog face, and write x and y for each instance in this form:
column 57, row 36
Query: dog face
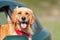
column 23, row 17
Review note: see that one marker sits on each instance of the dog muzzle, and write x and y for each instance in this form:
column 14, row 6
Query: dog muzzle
column 23, row 25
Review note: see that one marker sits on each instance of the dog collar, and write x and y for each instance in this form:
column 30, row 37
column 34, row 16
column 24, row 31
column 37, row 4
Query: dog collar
column 20, row 33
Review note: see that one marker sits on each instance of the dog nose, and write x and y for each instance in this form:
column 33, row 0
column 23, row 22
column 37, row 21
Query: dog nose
column 23, row 18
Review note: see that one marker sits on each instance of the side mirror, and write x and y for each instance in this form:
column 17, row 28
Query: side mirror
column 15, row 38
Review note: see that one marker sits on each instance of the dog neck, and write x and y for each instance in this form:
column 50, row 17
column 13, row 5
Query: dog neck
column 21, row 33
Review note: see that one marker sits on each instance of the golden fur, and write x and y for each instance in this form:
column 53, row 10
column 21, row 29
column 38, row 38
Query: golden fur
column 8, row 29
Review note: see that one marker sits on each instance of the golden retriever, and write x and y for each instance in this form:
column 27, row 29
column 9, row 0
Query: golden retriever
column 20, row 23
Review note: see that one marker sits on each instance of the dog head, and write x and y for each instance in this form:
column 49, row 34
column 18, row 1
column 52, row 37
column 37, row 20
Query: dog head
column 23, row 17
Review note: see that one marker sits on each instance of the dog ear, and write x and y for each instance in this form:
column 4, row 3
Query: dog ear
column 13, row 16
column 31, row 19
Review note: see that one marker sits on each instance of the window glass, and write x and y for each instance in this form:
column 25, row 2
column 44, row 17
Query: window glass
column 3, row 18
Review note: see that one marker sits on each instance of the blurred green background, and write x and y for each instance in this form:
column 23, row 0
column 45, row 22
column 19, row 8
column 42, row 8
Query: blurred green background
column 48, row 13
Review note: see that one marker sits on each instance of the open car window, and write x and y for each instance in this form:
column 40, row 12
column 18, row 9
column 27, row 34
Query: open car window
column 3, row 18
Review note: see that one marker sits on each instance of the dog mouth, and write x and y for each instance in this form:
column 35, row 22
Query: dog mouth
column 23, row 24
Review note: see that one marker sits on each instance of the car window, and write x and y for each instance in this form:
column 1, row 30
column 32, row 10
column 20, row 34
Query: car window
column 3, row 18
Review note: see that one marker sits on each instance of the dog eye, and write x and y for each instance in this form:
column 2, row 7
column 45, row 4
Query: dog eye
column 19, row 13
column 27, row 13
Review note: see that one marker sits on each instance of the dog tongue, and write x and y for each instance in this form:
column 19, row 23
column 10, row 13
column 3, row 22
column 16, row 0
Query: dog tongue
column 23, row 25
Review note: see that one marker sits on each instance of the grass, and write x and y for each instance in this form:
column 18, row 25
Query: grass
column 53, row 27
